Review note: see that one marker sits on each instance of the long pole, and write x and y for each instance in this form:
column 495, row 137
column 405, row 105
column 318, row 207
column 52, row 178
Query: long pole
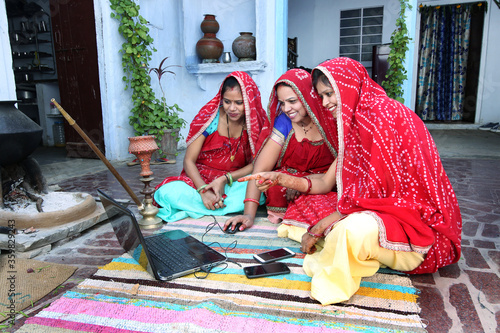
column 96, row 150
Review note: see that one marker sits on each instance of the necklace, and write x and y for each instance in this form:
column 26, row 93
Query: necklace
column 233, row 156
column 308, row 128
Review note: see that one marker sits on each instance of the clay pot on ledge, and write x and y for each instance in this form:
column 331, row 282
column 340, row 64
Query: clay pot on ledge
column 209, row 48
column 244, row 47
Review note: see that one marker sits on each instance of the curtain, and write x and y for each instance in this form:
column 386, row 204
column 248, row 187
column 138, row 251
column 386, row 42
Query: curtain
column 443, row 53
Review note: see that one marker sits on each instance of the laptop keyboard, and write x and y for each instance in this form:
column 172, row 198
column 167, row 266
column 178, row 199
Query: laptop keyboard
column 169, row 255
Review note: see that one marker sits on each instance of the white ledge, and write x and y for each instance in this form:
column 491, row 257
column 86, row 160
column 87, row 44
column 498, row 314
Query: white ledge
column 215, row 68
column 200, row 70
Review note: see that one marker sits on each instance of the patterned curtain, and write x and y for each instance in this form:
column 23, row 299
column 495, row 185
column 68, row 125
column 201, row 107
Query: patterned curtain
column 444, row 48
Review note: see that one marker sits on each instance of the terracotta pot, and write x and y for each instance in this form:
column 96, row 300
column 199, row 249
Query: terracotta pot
column 143, row 147
column 19, row 135
column 244, row 47
column 209, row 24
column 209, row 48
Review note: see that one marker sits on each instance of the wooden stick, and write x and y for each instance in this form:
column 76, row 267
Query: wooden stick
column 96, row 150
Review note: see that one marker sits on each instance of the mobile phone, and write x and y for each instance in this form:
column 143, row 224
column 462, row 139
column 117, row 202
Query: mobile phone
column 270, row 256
column 275, row 268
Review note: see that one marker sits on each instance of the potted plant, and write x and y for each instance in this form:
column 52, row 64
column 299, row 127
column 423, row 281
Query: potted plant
column 149, row 115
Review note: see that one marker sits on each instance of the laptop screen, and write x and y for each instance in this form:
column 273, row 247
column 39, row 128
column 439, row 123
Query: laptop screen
column 125, row 230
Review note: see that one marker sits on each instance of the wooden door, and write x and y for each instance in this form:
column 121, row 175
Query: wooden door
column 74, row 35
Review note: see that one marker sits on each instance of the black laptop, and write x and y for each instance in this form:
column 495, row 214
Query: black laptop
column 166, row 255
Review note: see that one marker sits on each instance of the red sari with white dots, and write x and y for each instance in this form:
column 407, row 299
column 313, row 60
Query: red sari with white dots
column 214, row 159
column 388, row 164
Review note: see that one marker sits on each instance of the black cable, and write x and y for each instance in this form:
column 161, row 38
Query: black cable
column 231, row 246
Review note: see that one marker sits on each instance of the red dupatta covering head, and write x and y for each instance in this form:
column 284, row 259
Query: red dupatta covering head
column 300, row 81
column 388, row 165
column 255, row 116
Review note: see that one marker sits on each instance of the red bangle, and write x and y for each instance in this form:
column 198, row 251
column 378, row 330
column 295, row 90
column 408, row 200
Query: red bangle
column 251, row 200
column 309, row 185
column 313, row 234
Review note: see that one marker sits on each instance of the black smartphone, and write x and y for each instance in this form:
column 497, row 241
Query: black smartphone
column 275, row 268
column 270, row 256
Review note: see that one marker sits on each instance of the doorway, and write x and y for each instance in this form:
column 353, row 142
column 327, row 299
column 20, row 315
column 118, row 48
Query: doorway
column 448, row 62
column 54, row 55
column 76, row 58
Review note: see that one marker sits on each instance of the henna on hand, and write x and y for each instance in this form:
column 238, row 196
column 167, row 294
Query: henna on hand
column 247, row 178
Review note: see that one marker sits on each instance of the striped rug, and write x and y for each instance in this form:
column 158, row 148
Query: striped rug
column 121, row 297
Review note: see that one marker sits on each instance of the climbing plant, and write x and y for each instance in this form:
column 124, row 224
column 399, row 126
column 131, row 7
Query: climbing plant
column 136, row 53
column 396, row 74
column 149, row 115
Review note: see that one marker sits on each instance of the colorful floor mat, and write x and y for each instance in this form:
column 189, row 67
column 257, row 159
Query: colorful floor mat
column 122, row 297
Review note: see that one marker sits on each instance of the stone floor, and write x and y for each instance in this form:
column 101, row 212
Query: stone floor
column 464, row 297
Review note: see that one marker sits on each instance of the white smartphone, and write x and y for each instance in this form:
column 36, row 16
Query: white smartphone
column 270, row 256
column 275, row 268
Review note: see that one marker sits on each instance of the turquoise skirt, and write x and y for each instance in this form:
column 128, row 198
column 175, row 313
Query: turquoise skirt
column 178, row 200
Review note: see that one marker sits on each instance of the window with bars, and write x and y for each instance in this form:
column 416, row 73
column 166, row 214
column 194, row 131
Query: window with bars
column 360, row 30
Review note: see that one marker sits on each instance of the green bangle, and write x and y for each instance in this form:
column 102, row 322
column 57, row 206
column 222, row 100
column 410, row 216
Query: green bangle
column 201, row 188
column 230, row 179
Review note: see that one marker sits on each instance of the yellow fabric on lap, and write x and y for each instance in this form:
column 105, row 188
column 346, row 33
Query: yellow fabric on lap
column 351, row 251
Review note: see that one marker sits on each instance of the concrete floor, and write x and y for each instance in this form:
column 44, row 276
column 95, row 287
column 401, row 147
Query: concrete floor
column 464, row 297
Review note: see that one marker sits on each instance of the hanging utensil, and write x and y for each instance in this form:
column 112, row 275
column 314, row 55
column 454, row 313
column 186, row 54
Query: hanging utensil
column 36, row 60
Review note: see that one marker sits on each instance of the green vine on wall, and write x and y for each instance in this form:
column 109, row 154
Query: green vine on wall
column 396, row 74
column 149, row 115
column 136, row 53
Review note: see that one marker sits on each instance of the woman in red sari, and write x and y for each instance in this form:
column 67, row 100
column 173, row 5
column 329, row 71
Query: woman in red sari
column 395, row 203
column 296, row 146
column 222, row 140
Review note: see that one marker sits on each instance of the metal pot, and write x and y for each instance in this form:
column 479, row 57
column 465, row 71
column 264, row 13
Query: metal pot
column 25, row 94
column 19, row 135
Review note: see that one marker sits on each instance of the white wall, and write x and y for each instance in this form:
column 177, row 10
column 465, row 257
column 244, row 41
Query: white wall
column 7, row 83
column 115, row 101
column 489, row 76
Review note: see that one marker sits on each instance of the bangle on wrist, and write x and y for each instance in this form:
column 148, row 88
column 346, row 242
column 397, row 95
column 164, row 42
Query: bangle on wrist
column 230, row 181
column 227, row 178
column 313, row 234
column 309, row 185
column 251, row 200
column 201, row 188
